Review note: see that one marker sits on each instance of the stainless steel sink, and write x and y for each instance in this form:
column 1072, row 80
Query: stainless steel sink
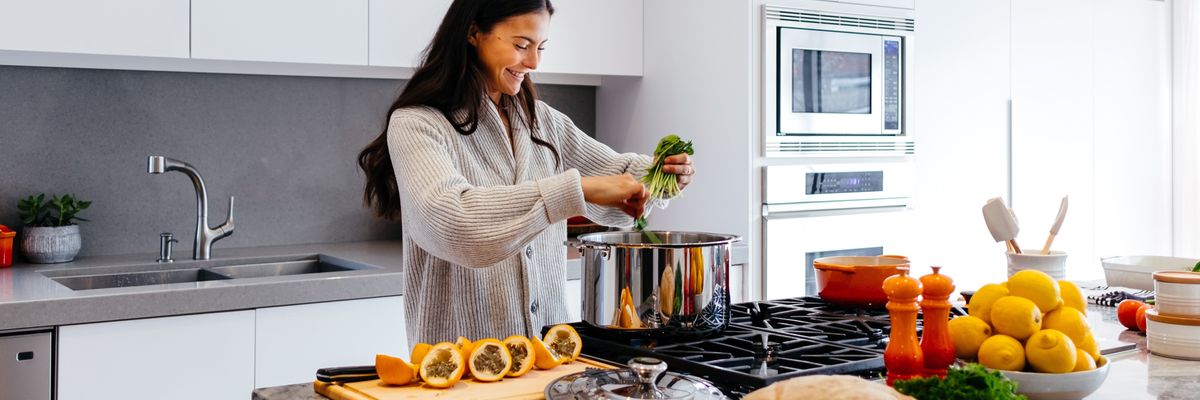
column 200, row 271
column 278, row 269
column 104, row 281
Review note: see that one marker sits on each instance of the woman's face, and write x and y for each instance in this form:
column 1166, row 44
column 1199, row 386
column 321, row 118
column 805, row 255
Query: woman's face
column 511, row 50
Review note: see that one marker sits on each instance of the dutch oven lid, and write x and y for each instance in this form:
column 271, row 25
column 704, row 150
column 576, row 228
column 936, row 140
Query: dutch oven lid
column 664, row 239
column 646, row 378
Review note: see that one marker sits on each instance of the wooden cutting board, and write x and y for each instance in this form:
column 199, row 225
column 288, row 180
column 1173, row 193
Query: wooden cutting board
column 532, row 385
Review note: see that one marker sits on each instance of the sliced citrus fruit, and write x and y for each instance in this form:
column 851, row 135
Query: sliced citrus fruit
column 521, row 350
column 394, row 370
column 544, row 358
column 564, row 341
column 489, row 360
column 443, row 366
column 465, row 346
column 418, row 352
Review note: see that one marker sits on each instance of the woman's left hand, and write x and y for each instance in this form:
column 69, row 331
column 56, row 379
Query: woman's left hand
column 680, row 165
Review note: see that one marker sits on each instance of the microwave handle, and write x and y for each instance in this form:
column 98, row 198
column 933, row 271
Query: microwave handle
column 784, row 214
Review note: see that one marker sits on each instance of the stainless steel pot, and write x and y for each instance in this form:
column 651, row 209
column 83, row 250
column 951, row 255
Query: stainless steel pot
column 678, row 285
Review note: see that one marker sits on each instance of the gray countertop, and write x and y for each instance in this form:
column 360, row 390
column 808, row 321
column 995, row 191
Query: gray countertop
column 1133, row 374
column 31, row 299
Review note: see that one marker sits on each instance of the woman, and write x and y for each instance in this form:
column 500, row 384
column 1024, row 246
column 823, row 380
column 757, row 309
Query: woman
column 483, row 176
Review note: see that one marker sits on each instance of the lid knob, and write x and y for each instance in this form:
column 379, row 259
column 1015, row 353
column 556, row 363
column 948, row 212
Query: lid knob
column 647, row 370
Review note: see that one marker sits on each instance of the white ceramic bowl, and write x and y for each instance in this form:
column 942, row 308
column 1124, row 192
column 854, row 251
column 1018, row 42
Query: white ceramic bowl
column 1072, row 385
column 1174, row 337
column 1053, row 264
column 1135, row 271
column 1177, row 293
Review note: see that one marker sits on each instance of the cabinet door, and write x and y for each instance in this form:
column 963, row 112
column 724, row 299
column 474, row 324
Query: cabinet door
column 737, row 288
column 595, row 37
column 299, row 31
column 574, row 300
column 204, row 356
column 1052, row 127
column 1133, row 127
column 400, row 30
column 157, row 28
column 959, row 113
column 291, row 342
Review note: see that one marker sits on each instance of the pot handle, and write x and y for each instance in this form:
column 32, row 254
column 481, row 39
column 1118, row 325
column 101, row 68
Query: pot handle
column 580, row 245
column 831, row 267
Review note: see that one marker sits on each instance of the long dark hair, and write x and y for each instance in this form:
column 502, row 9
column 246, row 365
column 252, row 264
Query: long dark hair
column 450, row 79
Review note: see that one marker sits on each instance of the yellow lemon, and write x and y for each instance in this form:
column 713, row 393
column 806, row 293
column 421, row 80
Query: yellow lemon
column 1051, row 351
column 1072, row 296
column 1002, row 352
column 980, row 305
column 1083, row 361
column 1069, row 321
column 1016, row 316
column 1036, row 286
column 968, row 333
column 1088, row 345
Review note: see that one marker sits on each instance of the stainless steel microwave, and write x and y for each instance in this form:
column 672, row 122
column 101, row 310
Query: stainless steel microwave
column 834, row 81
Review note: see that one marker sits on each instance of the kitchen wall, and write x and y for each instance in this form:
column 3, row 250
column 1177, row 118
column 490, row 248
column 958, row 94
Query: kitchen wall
column 284, row 146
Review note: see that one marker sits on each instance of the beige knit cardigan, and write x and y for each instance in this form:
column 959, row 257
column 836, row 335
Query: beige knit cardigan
column 484, row 219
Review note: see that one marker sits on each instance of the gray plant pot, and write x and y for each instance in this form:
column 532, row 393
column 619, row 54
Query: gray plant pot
column 50, row 244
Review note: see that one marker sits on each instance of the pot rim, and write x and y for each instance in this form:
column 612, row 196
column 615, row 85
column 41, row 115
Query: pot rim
column 583, row 240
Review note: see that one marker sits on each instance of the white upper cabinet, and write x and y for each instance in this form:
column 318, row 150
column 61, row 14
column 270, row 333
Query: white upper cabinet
column 586, row 36
column 594, row 37
column 296, row 31
column 154, row 28
column 400, row 29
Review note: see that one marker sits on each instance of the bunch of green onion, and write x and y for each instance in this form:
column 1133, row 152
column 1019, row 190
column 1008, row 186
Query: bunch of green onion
column 662, row 185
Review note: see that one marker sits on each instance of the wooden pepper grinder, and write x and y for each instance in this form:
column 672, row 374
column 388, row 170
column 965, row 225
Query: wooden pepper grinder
column 936, row 345
column 903, row 357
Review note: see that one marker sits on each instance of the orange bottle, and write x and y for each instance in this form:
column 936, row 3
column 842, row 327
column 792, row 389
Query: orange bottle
column 936, row 345
column 903, row 357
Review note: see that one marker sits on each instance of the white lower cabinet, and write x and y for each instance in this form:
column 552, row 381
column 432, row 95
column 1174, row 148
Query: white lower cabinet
column 224, row 355
column 574, row 299
column 204, row 356
column 292, row 342
column 737, row 283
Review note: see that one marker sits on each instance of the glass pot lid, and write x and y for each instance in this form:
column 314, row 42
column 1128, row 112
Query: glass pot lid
column 646, row 378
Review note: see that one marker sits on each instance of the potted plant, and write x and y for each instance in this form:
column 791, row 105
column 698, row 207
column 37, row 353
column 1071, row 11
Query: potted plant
column 50, row 234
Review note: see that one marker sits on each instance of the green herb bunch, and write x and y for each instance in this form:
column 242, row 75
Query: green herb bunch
column 662, row 185
column 969, row 382
column 58, row 211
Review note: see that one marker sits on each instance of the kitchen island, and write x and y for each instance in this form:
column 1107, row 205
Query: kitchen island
column 1133, row 374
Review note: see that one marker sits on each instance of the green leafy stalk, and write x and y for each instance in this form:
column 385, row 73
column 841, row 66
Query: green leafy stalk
column 662, row 185
column 969, row 382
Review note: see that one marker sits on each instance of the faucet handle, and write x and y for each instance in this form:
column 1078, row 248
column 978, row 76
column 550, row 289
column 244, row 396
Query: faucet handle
column 226, row 228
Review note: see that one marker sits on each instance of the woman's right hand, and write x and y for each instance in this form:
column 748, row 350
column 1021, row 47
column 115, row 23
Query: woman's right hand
column 620, row 191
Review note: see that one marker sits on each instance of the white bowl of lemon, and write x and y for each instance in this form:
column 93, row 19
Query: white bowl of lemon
column 1034, row 330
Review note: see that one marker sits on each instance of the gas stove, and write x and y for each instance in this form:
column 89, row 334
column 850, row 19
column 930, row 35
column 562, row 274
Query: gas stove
column 765, row 342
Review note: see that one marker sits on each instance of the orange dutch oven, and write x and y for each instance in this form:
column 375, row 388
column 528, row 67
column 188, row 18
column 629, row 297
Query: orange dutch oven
column 856, row 280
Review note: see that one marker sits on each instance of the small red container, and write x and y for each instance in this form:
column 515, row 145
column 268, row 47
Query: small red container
column 6, row 242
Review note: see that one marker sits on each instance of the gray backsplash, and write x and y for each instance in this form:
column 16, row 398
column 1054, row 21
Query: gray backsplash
column 284, row 146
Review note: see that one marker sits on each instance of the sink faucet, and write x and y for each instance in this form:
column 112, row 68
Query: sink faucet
column 205, row 236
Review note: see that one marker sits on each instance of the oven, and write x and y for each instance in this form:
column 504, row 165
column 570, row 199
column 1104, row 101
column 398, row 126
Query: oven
column 835, row 80
column 832, row 209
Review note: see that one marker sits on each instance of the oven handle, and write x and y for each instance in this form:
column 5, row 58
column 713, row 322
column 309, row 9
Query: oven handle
column 784, row 213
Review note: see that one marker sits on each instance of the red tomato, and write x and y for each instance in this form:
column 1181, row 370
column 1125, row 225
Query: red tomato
column 1127, row 313
column 1141, row 317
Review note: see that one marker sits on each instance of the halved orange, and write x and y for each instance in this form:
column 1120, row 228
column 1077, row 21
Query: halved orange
column 443, row 366
column 489, row 360
column 418, row 352
column 544, row 358
column 394, row 370
column 521, row 350
column 564, row 341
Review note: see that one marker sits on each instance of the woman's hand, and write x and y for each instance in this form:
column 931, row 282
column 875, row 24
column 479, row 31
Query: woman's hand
column 680, row 165
column 621, row 191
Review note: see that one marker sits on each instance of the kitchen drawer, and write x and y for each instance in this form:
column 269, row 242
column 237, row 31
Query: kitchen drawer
column 25, row 366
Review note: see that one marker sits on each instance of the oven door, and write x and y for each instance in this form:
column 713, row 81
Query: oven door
column 793, row 239
column 838, row 83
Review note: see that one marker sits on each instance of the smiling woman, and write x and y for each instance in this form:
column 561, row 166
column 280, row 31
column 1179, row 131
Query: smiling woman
column 483, row 177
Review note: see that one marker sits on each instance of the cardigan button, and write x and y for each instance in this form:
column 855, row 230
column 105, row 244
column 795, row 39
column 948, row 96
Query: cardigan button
column 529, row 252
column 533, row 307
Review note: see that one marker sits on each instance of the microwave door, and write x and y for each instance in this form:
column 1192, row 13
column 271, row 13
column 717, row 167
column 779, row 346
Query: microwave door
column 829, row 83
